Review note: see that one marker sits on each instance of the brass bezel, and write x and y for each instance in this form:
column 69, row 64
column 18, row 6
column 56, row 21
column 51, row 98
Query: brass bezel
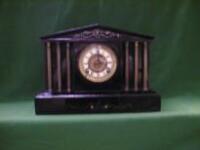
column 98, row 79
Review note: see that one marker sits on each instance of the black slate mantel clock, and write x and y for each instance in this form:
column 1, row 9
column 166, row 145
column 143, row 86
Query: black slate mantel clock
column 96, row 69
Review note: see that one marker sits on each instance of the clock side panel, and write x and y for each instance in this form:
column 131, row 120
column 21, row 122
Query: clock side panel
column 63, row 67
column 132, row 66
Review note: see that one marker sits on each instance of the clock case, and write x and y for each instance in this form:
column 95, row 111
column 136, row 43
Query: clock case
column 67, row 91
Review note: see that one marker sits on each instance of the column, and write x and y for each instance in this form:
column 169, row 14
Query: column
column 127, row 66
column 136, row 65
column 58, row 58
column 68, row 67
column 49, row 71
column 145, row 72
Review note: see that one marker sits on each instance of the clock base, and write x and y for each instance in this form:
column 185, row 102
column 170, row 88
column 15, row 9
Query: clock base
column 46, row 103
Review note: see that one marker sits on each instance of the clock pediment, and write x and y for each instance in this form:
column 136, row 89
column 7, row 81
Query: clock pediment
column 96, row 32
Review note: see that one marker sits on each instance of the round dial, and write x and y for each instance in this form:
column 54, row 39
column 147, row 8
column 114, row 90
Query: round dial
column 97, row 63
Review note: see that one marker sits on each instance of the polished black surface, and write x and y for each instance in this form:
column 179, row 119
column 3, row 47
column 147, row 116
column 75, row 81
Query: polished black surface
column 46, row 103
column 116, row 83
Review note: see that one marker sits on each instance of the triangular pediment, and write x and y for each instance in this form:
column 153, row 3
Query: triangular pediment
column 95, row 32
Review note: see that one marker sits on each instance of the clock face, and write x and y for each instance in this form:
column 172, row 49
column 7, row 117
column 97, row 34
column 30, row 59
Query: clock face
column 97, row 63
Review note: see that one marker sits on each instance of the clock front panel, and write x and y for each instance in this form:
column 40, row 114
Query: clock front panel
column 96, row 67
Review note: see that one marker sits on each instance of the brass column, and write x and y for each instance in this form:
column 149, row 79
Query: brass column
column 127, row 66
column 58, row 66
column 145, row 72
column 68, row 67
column 136, row 65
column 49, row 71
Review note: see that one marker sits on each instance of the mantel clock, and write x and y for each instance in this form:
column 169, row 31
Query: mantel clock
column 96, row 69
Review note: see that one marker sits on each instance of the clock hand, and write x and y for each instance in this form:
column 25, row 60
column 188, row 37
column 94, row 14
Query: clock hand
column 97, row 54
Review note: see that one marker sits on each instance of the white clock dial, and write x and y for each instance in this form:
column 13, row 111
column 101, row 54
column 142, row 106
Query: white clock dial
column 97, row 63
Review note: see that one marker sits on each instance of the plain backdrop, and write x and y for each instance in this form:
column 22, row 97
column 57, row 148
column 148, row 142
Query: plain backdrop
column 174, row 72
